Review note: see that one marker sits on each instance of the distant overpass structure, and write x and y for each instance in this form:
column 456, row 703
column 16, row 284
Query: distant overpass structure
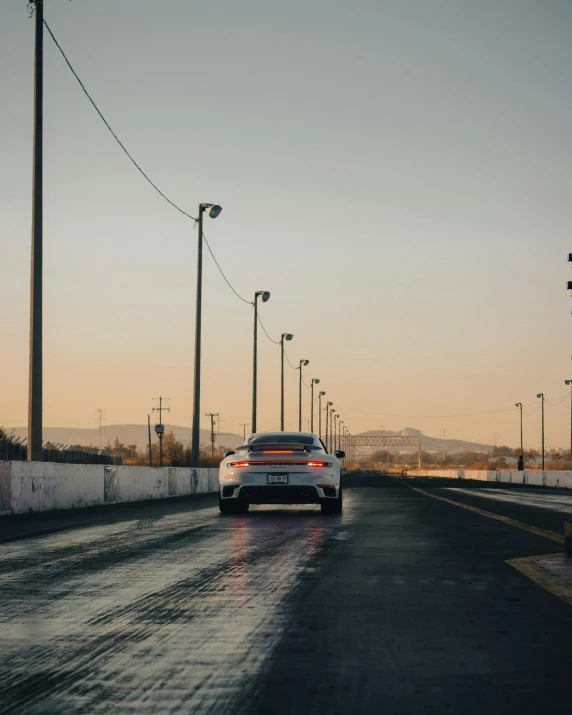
column 387, row 441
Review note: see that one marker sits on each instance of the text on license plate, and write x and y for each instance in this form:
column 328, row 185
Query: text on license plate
column 277, row 479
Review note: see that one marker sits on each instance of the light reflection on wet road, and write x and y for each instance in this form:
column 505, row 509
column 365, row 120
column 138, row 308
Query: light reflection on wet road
column 147, row 616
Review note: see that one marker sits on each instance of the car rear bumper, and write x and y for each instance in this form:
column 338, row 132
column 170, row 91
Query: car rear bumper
column 280, row 493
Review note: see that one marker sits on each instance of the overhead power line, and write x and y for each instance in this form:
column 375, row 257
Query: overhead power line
column 229, row 284
column 117, row 139
column 276, row 342
column 560, row 400
column 288, row 361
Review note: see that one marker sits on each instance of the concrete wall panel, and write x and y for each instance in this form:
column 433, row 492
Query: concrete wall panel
column 560, row 479
column 38, row 486
column 42, row 486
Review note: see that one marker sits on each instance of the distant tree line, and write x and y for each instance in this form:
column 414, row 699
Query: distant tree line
column 500, row 458
column 176, row 453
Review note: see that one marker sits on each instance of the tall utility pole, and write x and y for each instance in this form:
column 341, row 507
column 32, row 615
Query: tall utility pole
column 265, row 295
column 519, row 405
column 328, row 405
column 302, row 364
column 100, row 411
column 212, row 415
column 160, row 428
column 244, row 425
column 149, row 438
column 444, row 431
column 314, row 382
column 332, row 431
column 213, row 211
column 541, row 396
column 35, row 451
column 321, row 393
column 285, row 336
column 569, row 382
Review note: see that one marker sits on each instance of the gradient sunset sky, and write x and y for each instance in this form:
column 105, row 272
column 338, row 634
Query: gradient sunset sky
column 395, row 173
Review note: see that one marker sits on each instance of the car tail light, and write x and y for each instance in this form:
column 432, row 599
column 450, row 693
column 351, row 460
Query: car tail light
column 268, row 463
column 277, row 451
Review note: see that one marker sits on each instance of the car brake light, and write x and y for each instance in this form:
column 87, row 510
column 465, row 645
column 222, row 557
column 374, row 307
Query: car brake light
column 285, row 463
column 277, row 451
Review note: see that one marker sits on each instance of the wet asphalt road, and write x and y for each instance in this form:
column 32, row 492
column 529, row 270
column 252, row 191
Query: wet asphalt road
column 404, row 604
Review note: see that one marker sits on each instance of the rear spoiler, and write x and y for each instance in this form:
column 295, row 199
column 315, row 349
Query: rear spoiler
column 280, row 447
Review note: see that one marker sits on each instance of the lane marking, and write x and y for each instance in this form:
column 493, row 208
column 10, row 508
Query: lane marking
column 552, row 502
column 543, row 578
column 504, row 519
column 528, row 566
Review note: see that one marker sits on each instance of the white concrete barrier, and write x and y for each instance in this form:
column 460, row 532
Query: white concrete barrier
column 43, row 486
column 509, row 476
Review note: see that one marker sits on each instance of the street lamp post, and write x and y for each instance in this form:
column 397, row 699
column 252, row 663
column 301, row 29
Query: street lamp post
column 541, row 396
column 285, row 336
column 303, row 363
column 320, row 395
column 332, row 427
column 213, row 211
column 521, row 462
column 334, row 431
column 35, row 451
column 569, row 382
column 340, row 434
column 314, row 382
column 336, row 418
column 265, row 295
column 328, row 405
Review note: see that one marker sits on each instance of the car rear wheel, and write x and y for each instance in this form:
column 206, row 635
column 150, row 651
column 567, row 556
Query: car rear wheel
column 333, row 506
column 232, row 506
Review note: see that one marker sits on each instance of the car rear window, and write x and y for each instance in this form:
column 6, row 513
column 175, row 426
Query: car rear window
column 296, row 438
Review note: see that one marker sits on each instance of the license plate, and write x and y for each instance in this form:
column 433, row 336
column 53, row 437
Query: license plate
column 278, row 478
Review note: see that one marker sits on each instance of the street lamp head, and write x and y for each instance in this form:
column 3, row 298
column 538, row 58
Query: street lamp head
column 287, row 336
column 322, row 393
column 540, row 395
column 264, row 294
column 568, row 382
column 304, row 362
column 213, row 209
column 315, row 381
column 518, row 404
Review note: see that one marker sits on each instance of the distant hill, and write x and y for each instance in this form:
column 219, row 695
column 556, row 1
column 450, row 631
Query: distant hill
column 137, row 434
column 126, row 434
column 433, row 444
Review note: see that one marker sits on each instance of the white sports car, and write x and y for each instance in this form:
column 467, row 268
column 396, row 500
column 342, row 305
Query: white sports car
column 281, row 468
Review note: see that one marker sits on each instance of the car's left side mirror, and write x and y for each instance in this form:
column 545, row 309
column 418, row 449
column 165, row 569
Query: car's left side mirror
column 340, row 454
column 227, row 454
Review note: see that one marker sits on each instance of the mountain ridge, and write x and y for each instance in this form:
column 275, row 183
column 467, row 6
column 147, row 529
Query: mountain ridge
column 137, row 434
